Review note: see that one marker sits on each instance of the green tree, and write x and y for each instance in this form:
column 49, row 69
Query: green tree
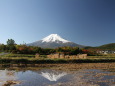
column 2, row 47
column 11, row 45
column 10, row 42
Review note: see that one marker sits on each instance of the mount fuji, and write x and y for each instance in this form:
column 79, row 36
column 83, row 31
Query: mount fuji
column 54, row 41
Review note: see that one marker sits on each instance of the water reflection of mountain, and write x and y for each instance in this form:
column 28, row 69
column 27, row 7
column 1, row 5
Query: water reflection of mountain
column 52, row 75
column 43, row 77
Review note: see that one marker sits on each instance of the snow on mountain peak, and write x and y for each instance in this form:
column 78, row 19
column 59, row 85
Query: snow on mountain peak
column 54, row 38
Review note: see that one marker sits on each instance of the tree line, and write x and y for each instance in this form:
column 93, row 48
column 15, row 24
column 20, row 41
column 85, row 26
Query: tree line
column 12, row 47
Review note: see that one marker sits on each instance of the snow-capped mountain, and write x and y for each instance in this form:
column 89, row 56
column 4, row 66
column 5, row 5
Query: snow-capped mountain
column 54, row 41
column 54, row 38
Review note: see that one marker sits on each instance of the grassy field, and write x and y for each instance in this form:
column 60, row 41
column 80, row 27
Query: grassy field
column 18, row 56
column 30, row 59
column 110, row 56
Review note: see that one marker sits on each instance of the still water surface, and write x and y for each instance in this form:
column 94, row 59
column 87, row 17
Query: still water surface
column 51, row 77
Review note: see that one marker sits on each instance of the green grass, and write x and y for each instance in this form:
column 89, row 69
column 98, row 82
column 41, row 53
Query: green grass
column 103, row 57
column 51, row 61
column 18, row 55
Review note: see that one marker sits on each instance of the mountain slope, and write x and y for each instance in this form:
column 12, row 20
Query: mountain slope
column 54, row 41
column 110, row 46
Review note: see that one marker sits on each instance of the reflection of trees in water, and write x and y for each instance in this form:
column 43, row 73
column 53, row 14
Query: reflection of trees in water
column 53, row 75
column 6, row 75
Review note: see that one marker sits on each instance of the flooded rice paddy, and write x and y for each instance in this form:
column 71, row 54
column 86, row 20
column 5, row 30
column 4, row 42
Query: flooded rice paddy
column 63, row 75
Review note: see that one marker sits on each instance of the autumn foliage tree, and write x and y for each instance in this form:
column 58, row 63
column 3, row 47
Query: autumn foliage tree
column 24, row 49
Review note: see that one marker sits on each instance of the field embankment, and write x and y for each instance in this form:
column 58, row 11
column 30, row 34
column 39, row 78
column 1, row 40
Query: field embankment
column 24, row 59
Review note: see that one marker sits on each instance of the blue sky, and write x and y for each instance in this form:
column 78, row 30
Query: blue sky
column 86, row 22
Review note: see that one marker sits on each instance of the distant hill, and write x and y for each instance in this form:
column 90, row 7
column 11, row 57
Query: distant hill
column 110, row 46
